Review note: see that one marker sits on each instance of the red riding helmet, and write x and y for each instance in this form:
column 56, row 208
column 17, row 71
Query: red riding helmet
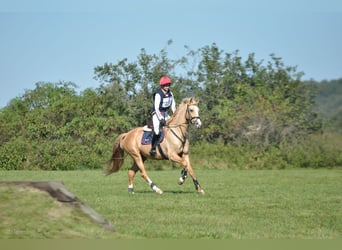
column 164, row 80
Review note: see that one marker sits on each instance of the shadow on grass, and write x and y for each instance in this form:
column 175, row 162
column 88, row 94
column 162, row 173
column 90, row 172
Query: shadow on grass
column 164, row 192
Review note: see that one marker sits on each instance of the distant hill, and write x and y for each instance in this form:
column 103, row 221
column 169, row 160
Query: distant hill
column 329, row 103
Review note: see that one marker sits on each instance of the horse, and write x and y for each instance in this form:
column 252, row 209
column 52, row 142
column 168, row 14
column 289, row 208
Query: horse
column 174, row 147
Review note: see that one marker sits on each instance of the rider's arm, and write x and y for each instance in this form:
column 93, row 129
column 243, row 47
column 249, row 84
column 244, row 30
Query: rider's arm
column 173, row 105
column 157, row 100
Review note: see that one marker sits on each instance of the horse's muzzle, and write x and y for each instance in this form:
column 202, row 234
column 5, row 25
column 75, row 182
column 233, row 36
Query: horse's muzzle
column 196, row 121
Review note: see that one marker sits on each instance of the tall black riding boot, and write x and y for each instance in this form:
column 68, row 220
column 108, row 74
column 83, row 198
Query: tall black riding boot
column 155, row 138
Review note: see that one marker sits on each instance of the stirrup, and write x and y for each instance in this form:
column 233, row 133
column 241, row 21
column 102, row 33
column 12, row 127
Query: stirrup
column 153, row 152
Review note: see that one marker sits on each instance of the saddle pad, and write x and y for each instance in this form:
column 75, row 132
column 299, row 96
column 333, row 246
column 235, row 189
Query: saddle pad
column 147, row 137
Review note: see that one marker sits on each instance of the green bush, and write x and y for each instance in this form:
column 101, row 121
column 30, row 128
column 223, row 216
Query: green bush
column 316, row 151
column 14, row 155
column 70, row 155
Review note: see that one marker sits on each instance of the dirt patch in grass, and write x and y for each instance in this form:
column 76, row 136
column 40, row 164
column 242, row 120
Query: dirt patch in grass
column 30, row 212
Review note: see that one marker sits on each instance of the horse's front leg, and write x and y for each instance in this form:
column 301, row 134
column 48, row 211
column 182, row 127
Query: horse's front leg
column 187, row 168
column 184, row 175
column 198, row 187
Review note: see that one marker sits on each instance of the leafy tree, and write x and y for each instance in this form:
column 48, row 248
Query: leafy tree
column 329, row 103
column 249, row 102
column 259, row 109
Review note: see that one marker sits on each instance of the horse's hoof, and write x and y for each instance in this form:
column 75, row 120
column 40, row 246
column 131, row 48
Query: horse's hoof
column 180, row 181
column 201, row 191
column 159, row 191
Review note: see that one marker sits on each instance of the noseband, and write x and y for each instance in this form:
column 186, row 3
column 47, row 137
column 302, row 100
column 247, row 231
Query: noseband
column 191, row 118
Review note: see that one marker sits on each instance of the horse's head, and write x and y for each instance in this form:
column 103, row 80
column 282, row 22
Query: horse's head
column 192, row 112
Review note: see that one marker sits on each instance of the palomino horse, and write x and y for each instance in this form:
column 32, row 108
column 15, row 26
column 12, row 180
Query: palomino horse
column 175, row 146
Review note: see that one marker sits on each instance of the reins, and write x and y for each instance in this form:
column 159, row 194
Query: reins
column 188, row 121
column 183, row 140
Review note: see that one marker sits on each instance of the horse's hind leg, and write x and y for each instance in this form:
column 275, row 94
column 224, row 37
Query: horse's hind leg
column 150, row 182
column 131, row 173
column 139, row 165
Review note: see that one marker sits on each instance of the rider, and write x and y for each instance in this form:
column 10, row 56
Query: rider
column 162, row 101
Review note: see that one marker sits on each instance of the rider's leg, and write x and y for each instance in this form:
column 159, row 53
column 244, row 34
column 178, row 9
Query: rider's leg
column 155, row 134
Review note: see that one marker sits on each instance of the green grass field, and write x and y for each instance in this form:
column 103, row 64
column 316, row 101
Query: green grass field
column 238, row 204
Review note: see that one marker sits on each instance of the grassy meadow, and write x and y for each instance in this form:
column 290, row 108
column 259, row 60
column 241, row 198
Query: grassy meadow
column 238, row 204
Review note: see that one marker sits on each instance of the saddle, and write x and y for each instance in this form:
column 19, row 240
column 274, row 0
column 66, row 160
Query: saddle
column 146, row 138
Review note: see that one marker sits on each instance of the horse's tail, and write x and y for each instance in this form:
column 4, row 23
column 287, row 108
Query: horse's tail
column 117, row 158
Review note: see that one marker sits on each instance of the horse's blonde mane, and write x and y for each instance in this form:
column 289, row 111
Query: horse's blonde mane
column 187, row 100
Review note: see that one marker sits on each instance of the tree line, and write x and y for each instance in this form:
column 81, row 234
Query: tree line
column 259, row 109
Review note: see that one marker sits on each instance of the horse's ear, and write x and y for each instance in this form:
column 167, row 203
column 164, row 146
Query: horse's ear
column 194, row 100
column 191, row 100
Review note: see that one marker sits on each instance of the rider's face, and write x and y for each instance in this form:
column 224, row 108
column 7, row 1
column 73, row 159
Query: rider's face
column 166, row 87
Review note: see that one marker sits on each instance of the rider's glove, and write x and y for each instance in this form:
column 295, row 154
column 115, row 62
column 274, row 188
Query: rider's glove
column 162, row 122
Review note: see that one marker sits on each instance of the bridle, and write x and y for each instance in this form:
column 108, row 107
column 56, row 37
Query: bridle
column 189, row 119
column 188, row 114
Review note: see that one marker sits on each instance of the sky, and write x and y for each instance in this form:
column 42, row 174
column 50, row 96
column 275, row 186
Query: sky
column 53, row 41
